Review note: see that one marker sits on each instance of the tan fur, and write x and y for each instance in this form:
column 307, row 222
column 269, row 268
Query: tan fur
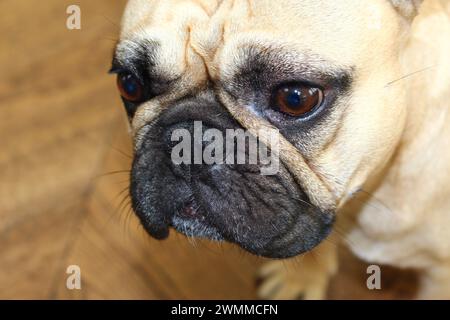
column 393, row 138
column 414, row 228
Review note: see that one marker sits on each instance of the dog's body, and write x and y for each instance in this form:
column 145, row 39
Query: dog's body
column 412, row 195
column 385, row 133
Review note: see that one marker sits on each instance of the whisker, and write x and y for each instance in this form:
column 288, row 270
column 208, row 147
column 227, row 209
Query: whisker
column 114, row 40
column 409, row 75
column 121, row 152
column 114, row 23
column 119, row 207
column 372, row 201
column 111, row 173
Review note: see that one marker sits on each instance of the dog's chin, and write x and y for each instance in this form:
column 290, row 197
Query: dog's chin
column 268, row 216
column 193, row 223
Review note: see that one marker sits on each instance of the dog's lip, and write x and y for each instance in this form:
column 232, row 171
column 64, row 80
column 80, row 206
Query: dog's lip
column 159, row 232
column 189, row 213
column 190, row 220
column 289, row 248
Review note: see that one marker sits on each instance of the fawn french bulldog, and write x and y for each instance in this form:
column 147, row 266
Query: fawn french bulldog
column 357, row 93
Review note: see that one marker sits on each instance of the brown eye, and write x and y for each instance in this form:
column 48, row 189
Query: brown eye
column 130, row 87
column 297, row 100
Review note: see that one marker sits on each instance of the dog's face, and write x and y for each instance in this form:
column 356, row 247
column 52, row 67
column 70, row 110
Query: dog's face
column 316, row 71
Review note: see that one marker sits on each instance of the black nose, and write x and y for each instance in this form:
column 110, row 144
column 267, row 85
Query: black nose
column 187, row 123
column 160, row 188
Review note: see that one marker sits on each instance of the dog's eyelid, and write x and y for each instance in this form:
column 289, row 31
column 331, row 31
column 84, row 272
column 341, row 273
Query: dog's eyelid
column 116, row 70
column 116, row 65
column 126, row 66
column 265, row 69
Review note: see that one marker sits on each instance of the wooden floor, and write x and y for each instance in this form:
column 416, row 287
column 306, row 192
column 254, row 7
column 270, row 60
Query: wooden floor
column 64, row 156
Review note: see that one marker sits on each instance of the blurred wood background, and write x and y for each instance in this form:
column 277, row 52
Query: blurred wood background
column 64, row 156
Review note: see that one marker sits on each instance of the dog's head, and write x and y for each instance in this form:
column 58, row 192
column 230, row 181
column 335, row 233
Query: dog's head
column 316, row 73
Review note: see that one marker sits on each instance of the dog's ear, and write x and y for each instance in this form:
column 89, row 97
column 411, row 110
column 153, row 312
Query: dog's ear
column 407, row 8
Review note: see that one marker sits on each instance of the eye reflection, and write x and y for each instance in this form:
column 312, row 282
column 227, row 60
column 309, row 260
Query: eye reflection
column 296, row 99
column 130, row 87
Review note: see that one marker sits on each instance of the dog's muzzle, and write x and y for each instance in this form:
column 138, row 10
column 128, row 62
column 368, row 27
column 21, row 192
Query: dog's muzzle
column 268, row 215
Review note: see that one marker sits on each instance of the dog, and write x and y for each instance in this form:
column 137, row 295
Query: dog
column 357, row 94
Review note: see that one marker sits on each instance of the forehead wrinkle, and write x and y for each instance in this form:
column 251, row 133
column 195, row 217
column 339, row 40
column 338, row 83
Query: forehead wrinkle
column 210, row 6
column 205, row 23
column 207, row 38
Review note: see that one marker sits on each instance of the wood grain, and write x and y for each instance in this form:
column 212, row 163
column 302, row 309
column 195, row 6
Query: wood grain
column 63, row 130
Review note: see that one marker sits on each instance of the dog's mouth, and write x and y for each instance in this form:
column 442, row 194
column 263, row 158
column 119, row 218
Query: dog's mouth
column 191, row 221
column 267, row 216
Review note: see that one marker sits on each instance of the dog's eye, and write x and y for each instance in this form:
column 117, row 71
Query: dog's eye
column 130, row 87
column 297, row 100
